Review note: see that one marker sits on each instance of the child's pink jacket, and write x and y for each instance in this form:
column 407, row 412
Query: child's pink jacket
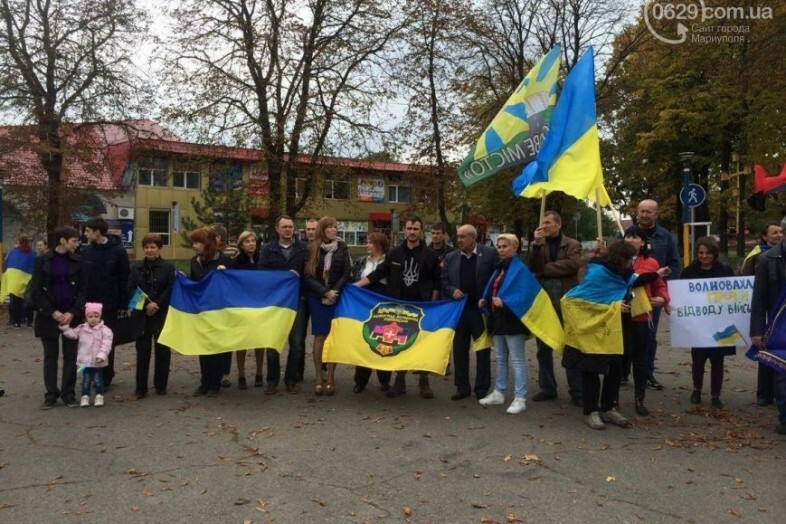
column 94, row 343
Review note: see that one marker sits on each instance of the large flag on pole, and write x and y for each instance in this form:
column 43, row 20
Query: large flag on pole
column 231, row 310
column 569, row 160
column 380, row 332
column 515, row 134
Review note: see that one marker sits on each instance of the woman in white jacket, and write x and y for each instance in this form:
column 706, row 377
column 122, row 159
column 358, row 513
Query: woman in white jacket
column 95, row 344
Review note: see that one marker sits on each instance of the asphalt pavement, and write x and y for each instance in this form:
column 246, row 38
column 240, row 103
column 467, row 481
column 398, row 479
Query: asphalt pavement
column 245, row 457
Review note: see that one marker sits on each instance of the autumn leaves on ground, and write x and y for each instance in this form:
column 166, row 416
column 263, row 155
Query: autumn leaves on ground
column 247, row 457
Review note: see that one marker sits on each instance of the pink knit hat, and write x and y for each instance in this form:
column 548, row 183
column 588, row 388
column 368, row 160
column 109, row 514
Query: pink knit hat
column 93, row 307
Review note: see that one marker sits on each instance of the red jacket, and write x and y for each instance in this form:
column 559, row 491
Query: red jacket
column 656, row 288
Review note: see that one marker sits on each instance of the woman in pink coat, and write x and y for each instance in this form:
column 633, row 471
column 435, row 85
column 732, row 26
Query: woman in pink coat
column 95, row 344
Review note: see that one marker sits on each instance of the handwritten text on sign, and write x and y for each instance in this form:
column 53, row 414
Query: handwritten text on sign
column 710, row 312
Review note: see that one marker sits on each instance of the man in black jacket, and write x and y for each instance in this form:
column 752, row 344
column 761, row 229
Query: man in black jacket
column 58, row 289
column 464, row 274
column 767, row 287
column 287, row 253
column 412, row 272
column 106, row 263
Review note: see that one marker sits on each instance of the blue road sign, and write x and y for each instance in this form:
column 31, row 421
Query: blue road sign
column 693, row 195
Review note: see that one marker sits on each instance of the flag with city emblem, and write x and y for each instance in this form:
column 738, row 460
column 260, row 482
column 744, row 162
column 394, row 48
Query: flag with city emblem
column 379, row 332
column 514, row 136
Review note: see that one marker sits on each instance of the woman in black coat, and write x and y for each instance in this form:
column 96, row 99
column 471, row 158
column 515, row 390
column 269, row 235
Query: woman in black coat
column 707, row 265
column 208, row 258
column 155, row 277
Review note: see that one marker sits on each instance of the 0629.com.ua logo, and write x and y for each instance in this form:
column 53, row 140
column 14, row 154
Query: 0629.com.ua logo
column 697, row 21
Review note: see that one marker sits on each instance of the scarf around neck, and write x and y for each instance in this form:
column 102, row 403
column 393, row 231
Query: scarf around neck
column 329, row 249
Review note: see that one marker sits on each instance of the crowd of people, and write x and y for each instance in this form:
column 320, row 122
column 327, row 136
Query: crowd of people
column 80, row 300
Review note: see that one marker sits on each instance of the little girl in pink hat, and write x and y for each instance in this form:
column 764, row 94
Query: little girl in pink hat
column 95, row 344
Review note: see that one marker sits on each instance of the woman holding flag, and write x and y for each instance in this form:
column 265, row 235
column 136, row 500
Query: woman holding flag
column 208, row 258
column 18, row 271
column 707, row 265
column 327, row 271
column 592, row 312
column 149, row 285
column 506, row 327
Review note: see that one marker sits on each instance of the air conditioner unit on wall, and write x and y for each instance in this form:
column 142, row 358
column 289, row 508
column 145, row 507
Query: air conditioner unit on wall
column 125, row 212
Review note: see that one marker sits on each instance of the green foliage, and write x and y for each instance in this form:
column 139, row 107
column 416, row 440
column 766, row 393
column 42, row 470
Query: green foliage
column 223, row 201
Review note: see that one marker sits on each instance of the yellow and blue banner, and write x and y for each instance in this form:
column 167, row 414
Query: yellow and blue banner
column 380, row 332
column 523, row 295
column 231, row 310
column 17, row 274
column 516, row 133
column 137, row 300
column 592, row 312
column 569, row 160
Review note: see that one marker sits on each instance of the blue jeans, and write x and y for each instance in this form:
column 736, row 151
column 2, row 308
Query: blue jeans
column 94, row 375
column 652, row 341
column 511, row 347
column 297, row 348
column 780, row 395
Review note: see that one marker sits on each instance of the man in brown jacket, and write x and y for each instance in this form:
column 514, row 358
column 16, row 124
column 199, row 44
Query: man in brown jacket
column 555, row 260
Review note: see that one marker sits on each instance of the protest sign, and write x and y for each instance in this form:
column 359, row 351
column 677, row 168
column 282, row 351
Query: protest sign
column 711, row 312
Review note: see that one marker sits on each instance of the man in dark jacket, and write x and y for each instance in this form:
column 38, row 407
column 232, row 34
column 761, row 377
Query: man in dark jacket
column 464, row 274
column 555, row 260
column 767, row 287
column 412, row 273
column 59, row 289
column 287, row 253
column 106, row 263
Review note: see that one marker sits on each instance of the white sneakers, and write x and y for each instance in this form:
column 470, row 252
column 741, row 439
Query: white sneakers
column 518, row 405
column 492, row 399
column 99, row 401
column 496, row 398
column 84, row 401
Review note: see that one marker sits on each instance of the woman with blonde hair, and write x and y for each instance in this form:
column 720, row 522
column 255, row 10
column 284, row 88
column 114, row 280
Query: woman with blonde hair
column 248, row 258
column 327, row 271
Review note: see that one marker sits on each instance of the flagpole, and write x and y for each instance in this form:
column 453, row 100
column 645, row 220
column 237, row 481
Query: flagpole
column 542, row 206
column 597, row 209
column 617, row 219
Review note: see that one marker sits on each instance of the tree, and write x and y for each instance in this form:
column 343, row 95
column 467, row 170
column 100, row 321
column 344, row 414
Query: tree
column 64, row 61
column 224, row 200
column 708, row 99
column 290, row 77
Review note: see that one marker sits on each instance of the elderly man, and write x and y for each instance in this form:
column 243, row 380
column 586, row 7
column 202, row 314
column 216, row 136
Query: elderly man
column 555, row 260
column 464, row 274
column 663, row 246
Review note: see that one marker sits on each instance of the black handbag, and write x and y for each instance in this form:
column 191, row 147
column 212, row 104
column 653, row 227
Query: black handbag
column 127, row 329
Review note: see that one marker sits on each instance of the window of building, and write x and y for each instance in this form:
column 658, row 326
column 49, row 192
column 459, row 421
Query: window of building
column 353, row 233
column 300, row 186
column 151, row 172
column 159, row 224
column 335, row 187
column 186, row 179
column 399, row 194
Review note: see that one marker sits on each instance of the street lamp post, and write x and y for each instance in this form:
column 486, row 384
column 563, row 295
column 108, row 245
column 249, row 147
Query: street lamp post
column 742, row 170
column 687, row 160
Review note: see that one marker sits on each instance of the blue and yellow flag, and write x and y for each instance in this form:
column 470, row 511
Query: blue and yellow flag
column 515, row 134
column 17, row 274
column 523, row 295
column 137, row 300
column 231, row 310
column 380, row 332
column 569, row 160
column 591, row 312
column 728, row 337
